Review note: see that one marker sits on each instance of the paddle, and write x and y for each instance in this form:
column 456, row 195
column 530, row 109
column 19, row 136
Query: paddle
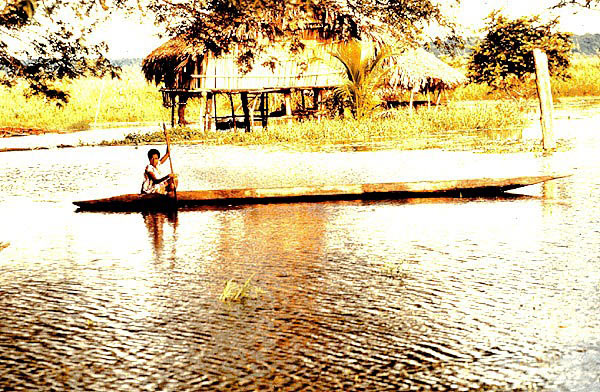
column 170, row 160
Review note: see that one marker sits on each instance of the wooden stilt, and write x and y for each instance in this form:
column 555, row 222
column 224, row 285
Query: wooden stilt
column 232, row 111
column 287, row 98
column 266, row 118
column 410, row 103
column 316, row 97
column 303, row 101
column 244, row 96
column 202, row 111
column 252, row 110
column 172, row 111
column 214, row 122
column 209, row 105
column 263, row 110
column 319, row 102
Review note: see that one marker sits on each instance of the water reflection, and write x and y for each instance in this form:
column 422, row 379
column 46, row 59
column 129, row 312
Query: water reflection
column 491, row 293
column 155, row 224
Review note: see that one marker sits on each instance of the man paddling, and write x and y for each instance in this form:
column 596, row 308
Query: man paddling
column 153, row 182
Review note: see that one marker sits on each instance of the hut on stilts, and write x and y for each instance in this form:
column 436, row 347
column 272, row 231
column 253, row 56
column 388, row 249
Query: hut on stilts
column 186, row 69
column 419, row 71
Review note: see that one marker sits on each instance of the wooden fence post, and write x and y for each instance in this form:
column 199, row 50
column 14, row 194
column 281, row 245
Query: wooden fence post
column 545, row 97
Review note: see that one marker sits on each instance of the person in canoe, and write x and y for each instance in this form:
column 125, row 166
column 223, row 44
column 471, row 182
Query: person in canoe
column 153, row 182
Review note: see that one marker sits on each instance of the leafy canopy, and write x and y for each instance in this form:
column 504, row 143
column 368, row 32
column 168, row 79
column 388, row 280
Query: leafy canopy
column 504, row 58
column 580, row 3
column 41, row 41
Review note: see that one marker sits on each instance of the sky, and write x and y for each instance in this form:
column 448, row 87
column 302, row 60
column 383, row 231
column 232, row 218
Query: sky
column 135, row 37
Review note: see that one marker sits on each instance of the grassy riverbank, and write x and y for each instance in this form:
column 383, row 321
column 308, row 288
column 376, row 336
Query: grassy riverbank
column 92, row 101
column 102, row 102
column 490, row 127
column 583, row 81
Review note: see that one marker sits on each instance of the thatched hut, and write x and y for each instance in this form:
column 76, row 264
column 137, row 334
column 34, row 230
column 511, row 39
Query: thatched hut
column 186, row 69
column 417, row 71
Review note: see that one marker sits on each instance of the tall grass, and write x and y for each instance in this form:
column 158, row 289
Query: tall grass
column 584, row 80
column 422, row 128
column 132, row 99
column 92, row 100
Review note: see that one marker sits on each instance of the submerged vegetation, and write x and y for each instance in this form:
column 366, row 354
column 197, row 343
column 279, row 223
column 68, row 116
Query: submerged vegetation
column 235, row 292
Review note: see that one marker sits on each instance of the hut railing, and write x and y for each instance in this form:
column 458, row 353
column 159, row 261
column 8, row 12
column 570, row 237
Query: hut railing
column 232, row 82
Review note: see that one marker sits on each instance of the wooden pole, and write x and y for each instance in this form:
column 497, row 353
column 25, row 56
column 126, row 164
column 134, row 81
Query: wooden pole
column 545, row 97
column 263, row 109
column 244, row 96
column 202, row 111
column 439, row 96
column 267, row 110
column 287, row 97
column 170, row 161
column 316, row 98
column 214, row 126
column 253, row 110
column 207, row 111
column 232, row 111
column 172, row 111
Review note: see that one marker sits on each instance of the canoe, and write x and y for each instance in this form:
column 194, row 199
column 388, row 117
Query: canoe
column 394, row 190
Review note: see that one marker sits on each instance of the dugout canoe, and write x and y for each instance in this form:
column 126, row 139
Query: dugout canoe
column 394, row 190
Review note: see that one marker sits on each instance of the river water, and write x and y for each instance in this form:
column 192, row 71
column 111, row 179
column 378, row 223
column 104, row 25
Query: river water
column 419, row 294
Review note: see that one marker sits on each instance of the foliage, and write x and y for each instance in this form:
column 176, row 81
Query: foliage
column 364, row 73
column 455, row 127
column 4, row 245
column 43, row 41
column 249, row 24
column 93, row 101
column 234, row 292
column 584, row 80
column 580, row 3
column 504, row 58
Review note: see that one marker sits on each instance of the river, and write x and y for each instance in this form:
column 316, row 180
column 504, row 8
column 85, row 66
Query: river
column 418, row 294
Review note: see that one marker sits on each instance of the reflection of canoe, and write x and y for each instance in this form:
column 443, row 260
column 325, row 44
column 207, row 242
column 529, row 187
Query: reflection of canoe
column 393, row 190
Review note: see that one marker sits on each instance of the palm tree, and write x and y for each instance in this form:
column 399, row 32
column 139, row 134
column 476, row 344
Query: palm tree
column 365, row 74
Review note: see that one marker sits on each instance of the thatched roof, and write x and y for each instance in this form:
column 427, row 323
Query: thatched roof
column 184, row 63
column 419, row 70
column 161, row 64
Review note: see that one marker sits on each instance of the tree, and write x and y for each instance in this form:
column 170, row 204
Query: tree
column 250, row 24
column 44, row 41
column 580, row 3
column 504, row 58
column 364, row 74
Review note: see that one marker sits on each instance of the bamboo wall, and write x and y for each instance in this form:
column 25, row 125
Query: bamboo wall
column 314, row 67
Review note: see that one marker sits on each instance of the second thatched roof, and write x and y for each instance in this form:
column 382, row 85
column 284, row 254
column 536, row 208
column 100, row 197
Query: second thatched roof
column 162, row 64
column 419, row 70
